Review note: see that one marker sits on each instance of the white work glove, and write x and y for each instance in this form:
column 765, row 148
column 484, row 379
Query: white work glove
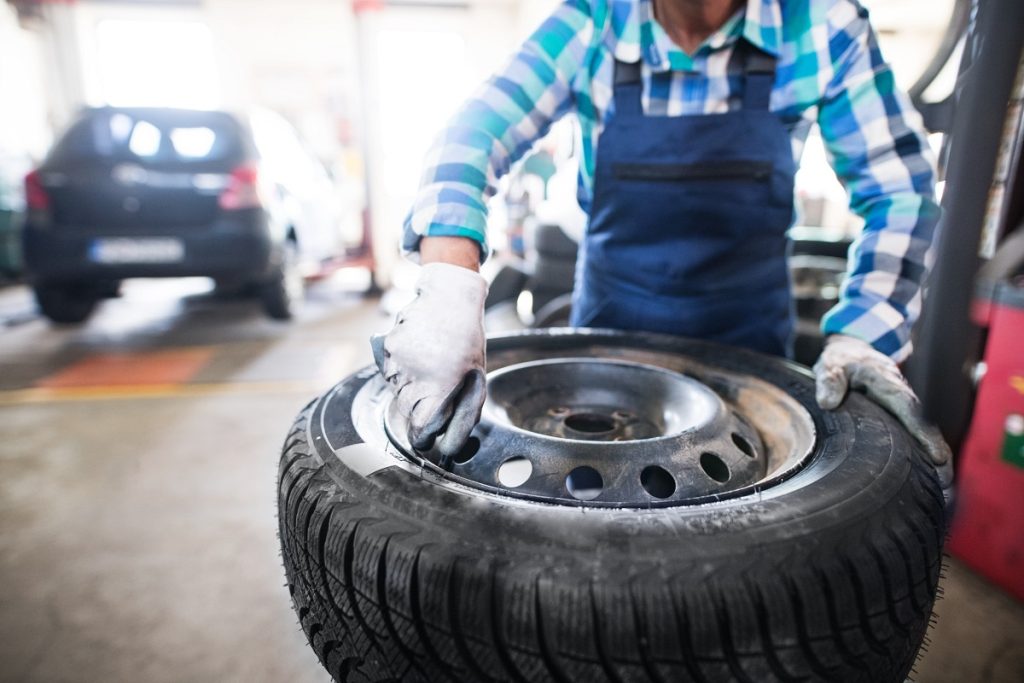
column 433, row 358
column 848, row 362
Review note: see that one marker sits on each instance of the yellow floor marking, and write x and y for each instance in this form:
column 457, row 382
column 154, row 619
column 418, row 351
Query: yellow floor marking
column 137, row 391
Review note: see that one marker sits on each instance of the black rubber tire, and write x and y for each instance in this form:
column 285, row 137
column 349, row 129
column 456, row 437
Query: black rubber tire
column 808, row 343
column 553, row 275
column 66, row 304
column 830, row 576
column 280, row 295
column 555, row 313
column 542, row 298
column 821, row 247
column 506, row 285
column 551, row 241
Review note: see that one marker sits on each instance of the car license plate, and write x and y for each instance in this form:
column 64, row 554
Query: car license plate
column 133, row 250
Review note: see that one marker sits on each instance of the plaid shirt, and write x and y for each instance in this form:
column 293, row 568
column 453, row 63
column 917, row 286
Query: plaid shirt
column 829, row 71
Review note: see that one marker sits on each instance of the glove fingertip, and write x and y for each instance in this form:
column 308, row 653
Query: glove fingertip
column 377, row 347
column 427, row 418
column 454, row 438
column 827, row 395
column 831, row 386
column 938, row 451
column 469, row 405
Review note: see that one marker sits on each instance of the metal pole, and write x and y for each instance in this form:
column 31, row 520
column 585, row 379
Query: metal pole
column 938, row 369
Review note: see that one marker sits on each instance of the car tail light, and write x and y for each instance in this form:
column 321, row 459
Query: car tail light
column 35, row 193
column 243, row 190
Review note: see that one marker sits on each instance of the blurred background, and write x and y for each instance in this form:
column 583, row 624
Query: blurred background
column 140, row 419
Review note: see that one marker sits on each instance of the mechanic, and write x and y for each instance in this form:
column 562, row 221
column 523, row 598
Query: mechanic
column 692, row 114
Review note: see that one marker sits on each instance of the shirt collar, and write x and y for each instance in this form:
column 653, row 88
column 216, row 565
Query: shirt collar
column 760, row 22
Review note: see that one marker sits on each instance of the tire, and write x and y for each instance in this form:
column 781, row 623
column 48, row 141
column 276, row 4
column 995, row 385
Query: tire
column 282, row 293
column 400, row 575
column 555, row 313
column 808, row 342
column 236, row 289
column 506, row 285
column 66, row 304
column 551, row 241
column 821, row 247
column 542, row 297
column 554, row 275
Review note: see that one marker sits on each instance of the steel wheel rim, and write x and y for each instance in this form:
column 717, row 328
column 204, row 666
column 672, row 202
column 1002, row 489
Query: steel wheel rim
column 725, row 451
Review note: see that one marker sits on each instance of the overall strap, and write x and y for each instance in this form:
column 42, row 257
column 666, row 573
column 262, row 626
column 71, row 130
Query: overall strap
column 627, row 87
column 759, row 77
column 627, row 72
column 758, row 72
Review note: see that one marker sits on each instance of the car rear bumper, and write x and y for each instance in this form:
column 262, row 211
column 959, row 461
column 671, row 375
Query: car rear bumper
column 240, row 247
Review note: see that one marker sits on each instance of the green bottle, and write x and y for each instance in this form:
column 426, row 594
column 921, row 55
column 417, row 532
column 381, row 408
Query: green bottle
column 1013, row 440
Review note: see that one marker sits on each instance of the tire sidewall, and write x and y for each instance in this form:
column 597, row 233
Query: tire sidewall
column 281, row 295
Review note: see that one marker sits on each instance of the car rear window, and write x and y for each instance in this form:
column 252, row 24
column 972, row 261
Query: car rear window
column 156, row 137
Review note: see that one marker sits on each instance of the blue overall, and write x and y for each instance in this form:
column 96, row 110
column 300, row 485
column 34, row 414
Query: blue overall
column 687, row 231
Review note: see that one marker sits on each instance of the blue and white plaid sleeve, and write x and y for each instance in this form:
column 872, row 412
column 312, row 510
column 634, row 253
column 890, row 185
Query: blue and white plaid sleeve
column 878, row 148
column 511, row 111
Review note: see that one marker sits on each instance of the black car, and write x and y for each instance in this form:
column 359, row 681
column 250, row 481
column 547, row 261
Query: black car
column 148, row 192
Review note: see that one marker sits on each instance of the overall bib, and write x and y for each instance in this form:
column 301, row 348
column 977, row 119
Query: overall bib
column 687, row 231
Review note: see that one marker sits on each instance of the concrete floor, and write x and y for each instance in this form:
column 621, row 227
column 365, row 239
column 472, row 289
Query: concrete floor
column 138, row 457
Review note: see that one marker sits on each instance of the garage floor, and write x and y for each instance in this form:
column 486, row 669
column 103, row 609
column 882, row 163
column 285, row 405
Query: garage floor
column 137, row 520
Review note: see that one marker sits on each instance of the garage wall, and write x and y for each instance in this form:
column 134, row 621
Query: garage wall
column 909, row 32
column 25, row 117
column 294, row 57
column 421, row 63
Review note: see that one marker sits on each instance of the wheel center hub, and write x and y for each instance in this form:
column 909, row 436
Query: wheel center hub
column 594, row 400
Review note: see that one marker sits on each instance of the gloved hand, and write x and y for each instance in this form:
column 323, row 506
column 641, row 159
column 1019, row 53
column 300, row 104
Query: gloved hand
column 848, row 362
column 433, row 358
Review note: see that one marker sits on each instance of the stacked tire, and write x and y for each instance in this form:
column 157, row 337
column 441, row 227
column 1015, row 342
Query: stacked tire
column 555, row 267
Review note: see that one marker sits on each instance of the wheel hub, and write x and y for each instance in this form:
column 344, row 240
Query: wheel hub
column 597, row 400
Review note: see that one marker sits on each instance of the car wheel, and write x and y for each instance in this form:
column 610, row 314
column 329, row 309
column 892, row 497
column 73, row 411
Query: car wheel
column 553, row 274
column 282, row 293
column 631, row 508
column 552, row 242
column 66, row 304
column 555, row 313
column 506, row 285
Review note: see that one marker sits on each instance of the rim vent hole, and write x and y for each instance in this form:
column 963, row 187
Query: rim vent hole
column 515, row 472
column 714, row 467
column 468, row 451
column 657, row 481
column 584, row 483
column 743, row 445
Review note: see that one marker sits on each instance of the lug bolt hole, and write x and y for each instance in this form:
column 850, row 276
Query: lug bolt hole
column 714, row 467
column 584, row 483
column 657, row 481
column 743, row 445
column 468, row 451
